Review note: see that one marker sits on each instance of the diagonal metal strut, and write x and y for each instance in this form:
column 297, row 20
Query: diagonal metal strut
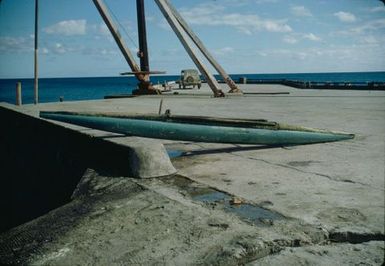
column 142, row 76
column 180, row 33
column 118, row 38
column 202, row 48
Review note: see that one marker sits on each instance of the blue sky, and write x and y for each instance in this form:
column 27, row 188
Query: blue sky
column 246, row 36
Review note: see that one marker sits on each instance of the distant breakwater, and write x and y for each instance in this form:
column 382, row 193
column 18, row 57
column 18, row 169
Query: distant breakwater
column 326, row 85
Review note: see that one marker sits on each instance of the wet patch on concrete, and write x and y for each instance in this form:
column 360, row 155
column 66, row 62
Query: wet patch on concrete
column 216, row 199
column 210, row 196
column 175, row 153
column 255, row 214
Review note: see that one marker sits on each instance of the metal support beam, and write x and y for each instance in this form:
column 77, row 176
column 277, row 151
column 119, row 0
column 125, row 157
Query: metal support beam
column 36, row 67
column 143, row 50
column 178, row 29
column 205, row 52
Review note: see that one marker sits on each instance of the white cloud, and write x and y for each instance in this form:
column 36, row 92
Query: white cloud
column 354, row 57
column 202, row 10
column 263, row 54
column 171, row 52
column 103, row 30
column 245, row 23
column 293, row 54
column 378, row 9
column 369, row 40
column 224, row 51
column 372, row 25
column 99, row 52
column 104, row 51
column 58, row 48
column 67, row 27
column 16, row 44
column 345, row 16
column 61, row 49
column 213, row 15
column 265, row 1
column 164, row 24
column 290, row 39
column 26, row 44
column 296, row 37
column 44, row 50
column 311, row 37
column 369, row 26
column 300, row 11
column 150, row 18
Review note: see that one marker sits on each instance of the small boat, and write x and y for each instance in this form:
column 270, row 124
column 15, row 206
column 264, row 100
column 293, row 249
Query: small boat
column 199, row 128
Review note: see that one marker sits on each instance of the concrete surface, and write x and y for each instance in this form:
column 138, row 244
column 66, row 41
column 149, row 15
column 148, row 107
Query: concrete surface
column 331, row 195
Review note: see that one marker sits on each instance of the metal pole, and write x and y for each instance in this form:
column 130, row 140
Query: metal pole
column 36, row 69
column 160, row 106
column 177, row 28
column 203, row 49
column 18, row 94
column 143, row 50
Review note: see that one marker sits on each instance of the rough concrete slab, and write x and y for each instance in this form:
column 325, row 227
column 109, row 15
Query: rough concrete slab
column 340, row 254
column 119, row 220
column 337, row 188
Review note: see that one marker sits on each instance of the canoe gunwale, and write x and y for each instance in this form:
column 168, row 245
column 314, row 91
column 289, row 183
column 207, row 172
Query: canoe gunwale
column 204, row 120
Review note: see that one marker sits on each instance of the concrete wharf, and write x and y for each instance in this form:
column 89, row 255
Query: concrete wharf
column 226, row 204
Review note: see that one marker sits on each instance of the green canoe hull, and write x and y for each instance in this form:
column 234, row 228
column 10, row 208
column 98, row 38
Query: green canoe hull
column 164, row 129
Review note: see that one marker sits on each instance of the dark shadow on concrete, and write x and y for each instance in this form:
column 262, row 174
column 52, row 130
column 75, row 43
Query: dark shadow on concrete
column 113, row 137
column 230, row 149
column 41, row 163
column 21, row 243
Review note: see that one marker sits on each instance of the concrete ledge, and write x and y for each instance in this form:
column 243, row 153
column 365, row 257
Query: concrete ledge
column 41, row 162
column 149, row 158
column 145, row 158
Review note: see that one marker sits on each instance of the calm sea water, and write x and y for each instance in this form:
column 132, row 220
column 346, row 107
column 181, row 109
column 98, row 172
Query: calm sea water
column 75, row 89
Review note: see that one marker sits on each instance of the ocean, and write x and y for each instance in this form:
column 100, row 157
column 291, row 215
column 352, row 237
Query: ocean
column 77, row 89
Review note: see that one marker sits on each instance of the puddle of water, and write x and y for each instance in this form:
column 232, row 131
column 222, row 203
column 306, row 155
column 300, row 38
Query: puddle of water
column 212, row 196
column 175, row 153
column 245, row 211
column 254, row 214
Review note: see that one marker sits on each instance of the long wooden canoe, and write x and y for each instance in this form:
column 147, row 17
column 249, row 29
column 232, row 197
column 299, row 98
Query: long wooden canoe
column 200, row 128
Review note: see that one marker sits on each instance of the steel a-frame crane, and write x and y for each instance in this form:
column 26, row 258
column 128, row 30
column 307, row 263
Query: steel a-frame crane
column 182, row 31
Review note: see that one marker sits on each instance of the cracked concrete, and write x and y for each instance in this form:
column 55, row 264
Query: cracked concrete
column 332, row 194
column 303, row 164
column 336, row 254
column 120, row 220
